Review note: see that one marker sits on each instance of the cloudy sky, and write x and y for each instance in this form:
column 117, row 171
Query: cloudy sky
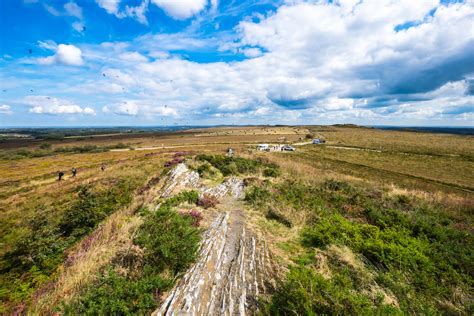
column 203, row 62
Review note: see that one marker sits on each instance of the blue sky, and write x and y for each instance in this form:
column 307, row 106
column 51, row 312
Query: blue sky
column 203, row 62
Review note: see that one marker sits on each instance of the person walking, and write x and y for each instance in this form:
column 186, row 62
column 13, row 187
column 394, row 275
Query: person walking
column 74, row 172
column 60, row 175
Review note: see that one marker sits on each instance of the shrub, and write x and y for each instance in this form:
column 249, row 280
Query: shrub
column 307, row 293
column 170, row 240
column 235, row 165
column 257, row 195
column 195, row 216
column 387, row 248
column 45, row 146
column 92, row 207
column 271, row 172
column 191, row 197
column 208, row 201
column 114, row 294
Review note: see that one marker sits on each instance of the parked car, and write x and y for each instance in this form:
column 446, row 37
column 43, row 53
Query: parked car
column 318, row 141
column 288, row 148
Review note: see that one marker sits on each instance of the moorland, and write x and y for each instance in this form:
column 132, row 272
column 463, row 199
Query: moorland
column 372, row 221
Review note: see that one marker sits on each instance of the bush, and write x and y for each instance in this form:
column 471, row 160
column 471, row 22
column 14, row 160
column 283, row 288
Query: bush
column 235, row 165
column 208, row 201
column 114, row 294
column 306, row 293
column 196, row 217
column 271, row 172
column 170, row 240
column 92, row 207
column 387, row 248
column 256, row 195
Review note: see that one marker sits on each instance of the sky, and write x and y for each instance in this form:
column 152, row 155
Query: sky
column 209, row 62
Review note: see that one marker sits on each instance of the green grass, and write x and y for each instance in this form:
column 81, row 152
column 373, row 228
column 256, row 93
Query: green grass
column 237, row 165
column 419, row 251
column 169, row 243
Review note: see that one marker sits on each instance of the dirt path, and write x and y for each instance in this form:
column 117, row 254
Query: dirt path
column 234, row 267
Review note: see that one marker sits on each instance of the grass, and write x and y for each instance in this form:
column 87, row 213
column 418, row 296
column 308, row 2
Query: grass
column 35, row 256
column 415, row 249
column 363, row 231
column 165, row 245
column 448, row 170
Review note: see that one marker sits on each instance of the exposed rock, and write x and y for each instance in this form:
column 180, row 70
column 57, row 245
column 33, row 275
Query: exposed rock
column 180, row 177
column 232, row 186
column 233, row 269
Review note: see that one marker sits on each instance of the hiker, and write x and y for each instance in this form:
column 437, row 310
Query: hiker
column 60, row 175
column 102, row 167
column 74, row 172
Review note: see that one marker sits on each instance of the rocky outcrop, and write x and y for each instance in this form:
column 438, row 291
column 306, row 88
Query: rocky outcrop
column 180, row 177
column 233, row 269
column 232, row 186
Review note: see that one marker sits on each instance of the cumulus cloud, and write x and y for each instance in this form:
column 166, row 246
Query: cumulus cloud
column 182, row 9
column 128, row 108
column 54, row 106
column 312, row 60
column 305, row 62
column 5, row 109
column 65, row 54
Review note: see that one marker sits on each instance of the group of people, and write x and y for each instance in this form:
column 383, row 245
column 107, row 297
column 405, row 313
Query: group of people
column 74, row 172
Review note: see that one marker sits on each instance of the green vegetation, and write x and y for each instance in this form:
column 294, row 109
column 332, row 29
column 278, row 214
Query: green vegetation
column 419, row 251
column 169, row 242
column 308, row 293
column 35, row 256
column 45, row 149
column 237, row 165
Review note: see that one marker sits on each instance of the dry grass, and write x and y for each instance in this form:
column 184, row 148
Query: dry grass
column 94, row 252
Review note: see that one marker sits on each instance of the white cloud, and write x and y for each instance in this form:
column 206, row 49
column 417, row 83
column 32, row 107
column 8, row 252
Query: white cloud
column 111, row 6
column 78, row 26
column 137, row 12
column 49, row 45
column 72, row 9
column 133, row 57
column 54, row 106
column 5, row 109
column 308, row 62
column 65, row 55
column 251, row 52
column 128, row 108
column 181, row 9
